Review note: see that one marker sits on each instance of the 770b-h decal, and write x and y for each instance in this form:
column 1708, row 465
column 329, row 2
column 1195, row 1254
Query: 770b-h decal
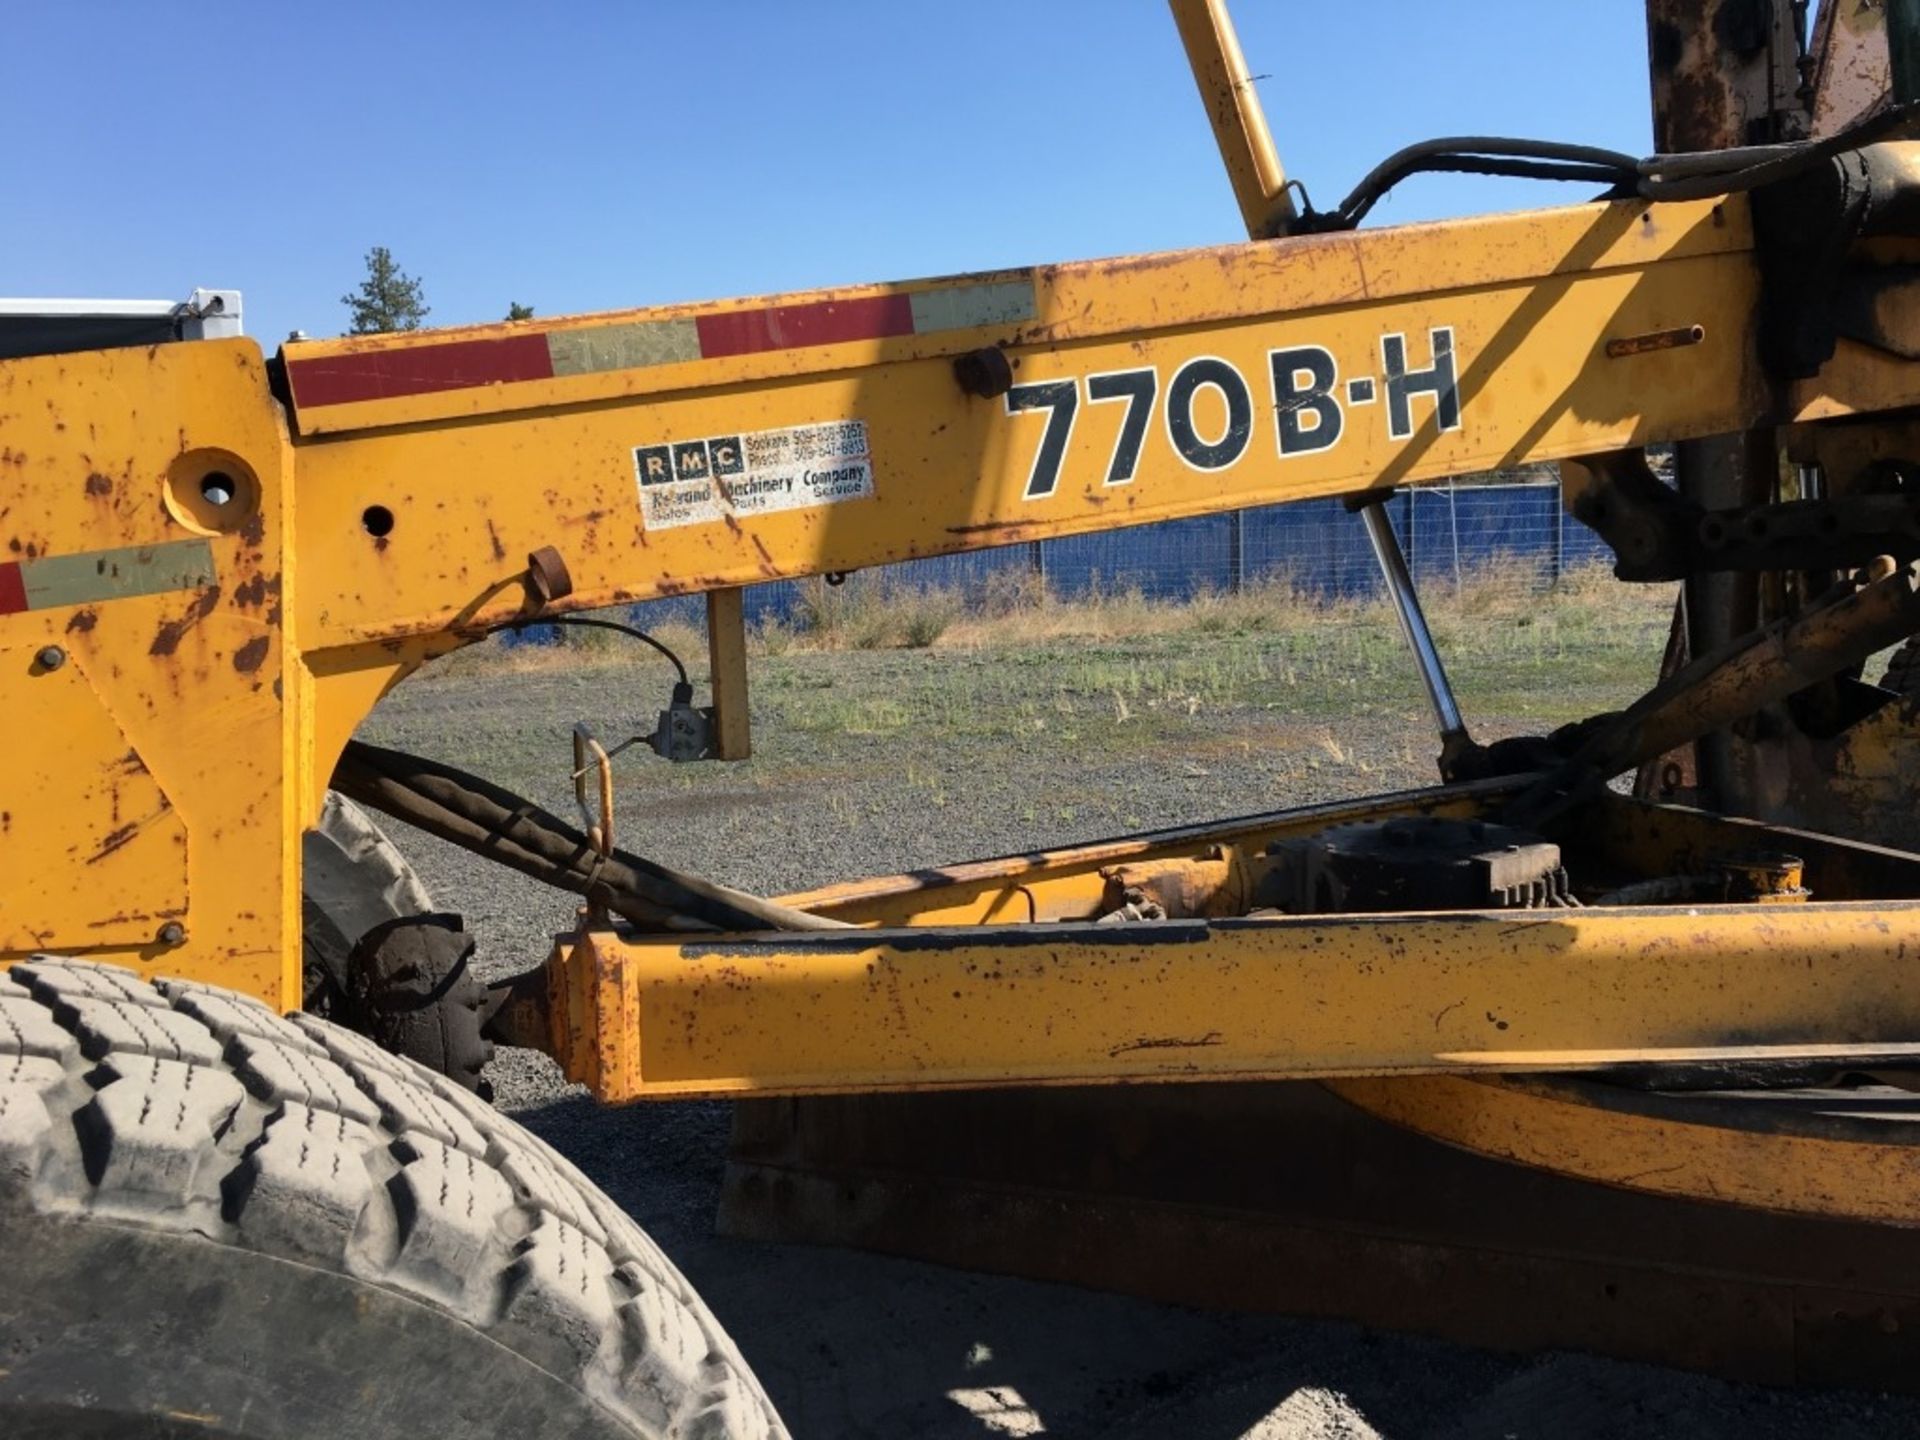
column 1308, row 414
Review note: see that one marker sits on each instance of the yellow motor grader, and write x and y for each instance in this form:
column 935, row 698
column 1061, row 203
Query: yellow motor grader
column 248, row 1176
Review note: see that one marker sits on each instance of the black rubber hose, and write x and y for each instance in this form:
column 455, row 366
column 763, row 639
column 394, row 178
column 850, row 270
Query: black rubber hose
column 499, row 825
column 1490, row 155
column 1691, row 177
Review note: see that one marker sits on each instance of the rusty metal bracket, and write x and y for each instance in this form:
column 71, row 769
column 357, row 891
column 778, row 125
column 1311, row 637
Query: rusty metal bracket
column 1658, row 534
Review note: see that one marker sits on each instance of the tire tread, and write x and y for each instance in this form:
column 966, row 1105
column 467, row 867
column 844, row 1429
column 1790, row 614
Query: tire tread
column 188, row 1109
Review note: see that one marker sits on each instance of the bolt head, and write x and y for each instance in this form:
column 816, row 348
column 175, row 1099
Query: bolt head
column 51, row 657
column 172, row 933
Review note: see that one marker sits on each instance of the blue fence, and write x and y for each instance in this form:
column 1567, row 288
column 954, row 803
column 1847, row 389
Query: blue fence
column 1507, row 533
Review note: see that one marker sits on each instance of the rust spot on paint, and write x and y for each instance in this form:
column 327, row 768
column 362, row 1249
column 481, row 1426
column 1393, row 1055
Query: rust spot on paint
column 167, row 639
column 1167, row 1042
column 115, row 839
column 82, row 621
column 98, row 484
column 499, row 550
column 252, row 655
column 254, row 529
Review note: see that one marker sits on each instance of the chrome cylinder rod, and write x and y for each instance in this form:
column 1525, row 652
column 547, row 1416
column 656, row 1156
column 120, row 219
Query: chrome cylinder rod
column 1413, row 623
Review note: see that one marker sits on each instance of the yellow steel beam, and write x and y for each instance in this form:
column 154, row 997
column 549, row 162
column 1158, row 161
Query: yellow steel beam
column 1191, row 1000
column 1233, row 110
column 1307, row 334
column 1734, row 1152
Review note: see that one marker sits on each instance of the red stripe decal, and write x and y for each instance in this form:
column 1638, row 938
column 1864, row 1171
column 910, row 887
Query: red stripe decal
column 419, row 370
column 13, row 589
column 788, row 327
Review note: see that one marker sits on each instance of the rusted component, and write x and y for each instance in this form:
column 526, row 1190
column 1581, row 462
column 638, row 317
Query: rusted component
column 1070, row 883
column 1629, row 345
column 1415, row 863
column 1724, row 73
column 1764, row 878
column 1851, row 66
column 547, row 577
column 1718, row 689
column 1657, row 534
column 1754, row 877
column 1636, row 837
column 1645, row 523
column 519, row 1010
column 1214, row 883
column 1676, row 773
column 986, row 373
column 1281, row 1198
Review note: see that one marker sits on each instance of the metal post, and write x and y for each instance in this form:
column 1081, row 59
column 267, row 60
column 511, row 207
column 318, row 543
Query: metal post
column 1413, row 623
column 727, row 662
column 1236, row 550
column 1559, row 560
column 1453, row 527
column 1412, row 554
column 1037, row 559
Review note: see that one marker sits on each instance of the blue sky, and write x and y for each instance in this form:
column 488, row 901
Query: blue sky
column 596, row 156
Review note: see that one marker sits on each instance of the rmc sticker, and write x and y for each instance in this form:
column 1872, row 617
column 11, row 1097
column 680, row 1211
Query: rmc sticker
column 692, row 482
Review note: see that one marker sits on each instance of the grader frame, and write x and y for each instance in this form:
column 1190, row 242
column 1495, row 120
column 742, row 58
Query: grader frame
column 220, row 563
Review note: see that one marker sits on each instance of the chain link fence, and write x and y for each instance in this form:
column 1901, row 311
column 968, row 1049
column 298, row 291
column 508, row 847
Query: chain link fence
column 1504, row 532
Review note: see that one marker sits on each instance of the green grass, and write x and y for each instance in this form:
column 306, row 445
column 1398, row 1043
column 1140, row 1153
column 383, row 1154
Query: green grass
column 878, row 671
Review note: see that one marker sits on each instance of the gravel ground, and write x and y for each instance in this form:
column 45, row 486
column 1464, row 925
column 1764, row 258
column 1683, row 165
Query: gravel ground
column 857, row 1345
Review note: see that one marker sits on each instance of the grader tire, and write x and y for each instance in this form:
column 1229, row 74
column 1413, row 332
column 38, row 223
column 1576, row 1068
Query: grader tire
column 225, row 1223
column 352, row 879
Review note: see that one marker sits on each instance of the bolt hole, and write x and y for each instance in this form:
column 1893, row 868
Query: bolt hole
column 219, row 488
column 377, row 521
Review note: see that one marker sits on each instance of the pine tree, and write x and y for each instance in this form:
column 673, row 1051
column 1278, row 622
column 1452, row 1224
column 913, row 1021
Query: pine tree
column 517, row 311
column 388, row 299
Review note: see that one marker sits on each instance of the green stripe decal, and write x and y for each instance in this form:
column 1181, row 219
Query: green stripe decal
column 622, row 347
column 966, row 307
column 116, row 574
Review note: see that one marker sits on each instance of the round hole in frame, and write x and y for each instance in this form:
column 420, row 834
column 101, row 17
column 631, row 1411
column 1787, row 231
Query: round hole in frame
column 377, row 521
